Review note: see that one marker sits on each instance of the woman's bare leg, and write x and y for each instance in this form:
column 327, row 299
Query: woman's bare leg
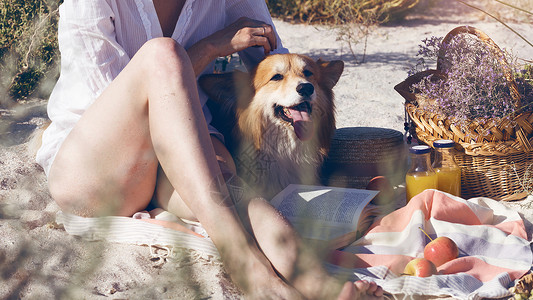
column 298, row 263
column 150, row 113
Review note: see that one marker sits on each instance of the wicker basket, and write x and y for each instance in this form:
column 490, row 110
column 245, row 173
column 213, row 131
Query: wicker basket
column 358, row 154
column 493, row 154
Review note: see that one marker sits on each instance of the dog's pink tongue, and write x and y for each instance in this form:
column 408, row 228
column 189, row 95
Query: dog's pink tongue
column 302, row 123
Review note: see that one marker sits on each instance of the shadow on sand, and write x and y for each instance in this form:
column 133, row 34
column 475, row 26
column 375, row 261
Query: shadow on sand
column 17, row 124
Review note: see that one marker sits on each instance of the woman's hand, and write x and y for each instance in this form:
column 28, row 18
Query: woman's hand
column 242, row 34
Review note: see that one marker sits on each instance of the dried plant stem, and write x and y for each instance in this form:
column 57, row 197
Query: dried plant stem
column 425, row 233
column 497, row 19
column 515, row 7
column 364, row 49
column 34, row 38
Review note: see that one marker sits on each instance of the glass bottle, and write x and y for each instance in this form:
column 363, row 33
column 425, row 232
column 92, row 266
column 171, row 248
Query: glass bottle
column 448, row 172
column 420, row 175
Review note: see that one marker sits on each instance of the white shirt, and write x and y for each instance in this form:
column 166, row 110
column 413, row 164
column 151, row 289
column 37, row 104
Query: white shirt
column 97, row 39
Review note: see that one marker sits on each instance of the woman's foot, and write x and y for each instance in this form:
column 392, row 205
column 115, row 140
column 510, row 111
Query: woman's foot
column 361, row 289
column 316, row 283
column 251, row 271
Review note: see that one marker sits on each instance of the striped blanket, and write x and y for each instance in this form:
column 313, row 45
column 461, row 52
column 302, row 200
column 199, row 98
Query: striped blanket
column 494, row 250
column 492, row 241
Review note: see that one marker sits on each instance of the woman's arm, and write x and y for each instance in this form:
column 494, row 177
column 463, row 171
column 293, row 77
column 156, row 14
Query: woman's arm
column 240, row 35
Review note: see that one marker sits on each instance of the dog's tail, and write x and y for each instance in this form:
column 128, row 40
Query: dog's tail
column 35, row 140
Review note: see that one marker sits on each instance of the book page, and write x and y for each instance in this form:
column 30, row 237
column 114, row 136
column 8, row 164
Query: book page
column 327, row 211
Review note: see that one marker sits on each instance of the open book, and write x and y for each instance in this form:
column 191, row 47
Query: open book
column 336, row 215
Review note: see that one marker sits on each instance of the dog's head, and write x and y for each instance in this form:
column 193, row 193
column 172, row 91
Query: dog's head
column 287, row 96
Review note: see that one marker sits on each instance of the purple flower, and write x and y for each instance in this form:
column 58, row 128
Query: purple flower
column 475, row 86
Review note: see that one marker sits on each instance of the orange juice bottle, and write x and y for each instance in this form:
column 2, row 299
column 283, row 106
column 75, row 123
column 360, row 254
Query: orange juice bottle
column 448, row 172
column 421, row 175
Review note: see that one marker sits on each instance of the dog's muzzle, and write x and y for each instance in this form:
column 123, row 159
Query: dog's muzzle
column 299, row 116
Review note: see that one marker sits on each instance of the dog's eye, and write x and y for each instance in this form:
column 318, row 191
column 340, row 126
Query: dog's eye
column 277, row 77
column 308, row 73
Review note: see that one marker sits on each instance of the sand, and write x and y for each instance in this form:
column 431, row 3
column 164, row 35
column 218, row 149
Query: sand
column 39, row 260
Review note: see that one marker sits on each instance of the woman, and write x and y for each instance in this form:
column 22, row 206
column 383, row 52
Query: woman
column 128, row 125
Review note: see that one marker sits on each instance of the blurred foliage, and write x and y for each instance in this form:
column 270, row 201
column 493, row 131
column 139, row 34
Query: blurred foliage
column 339, row 11
column 28, row 47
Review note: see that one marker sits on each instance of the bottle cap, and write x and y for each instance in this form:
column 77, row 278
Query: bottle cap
column 420, row 149
column 443, row 144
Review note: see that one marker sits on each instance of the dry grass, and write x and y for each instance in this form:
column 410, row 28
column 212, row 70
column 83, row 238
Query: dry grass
column 335, row 11
column 512, row 11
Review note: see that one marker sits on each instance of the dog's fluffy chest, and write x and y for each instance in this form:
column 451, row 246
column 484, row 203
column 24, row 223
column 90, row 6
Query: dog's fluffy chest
column 280, row 161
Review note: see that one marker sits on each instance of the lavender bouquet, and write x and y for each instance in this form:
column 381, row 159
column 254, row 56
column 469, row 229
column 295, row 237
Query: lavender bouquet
column 472, row 83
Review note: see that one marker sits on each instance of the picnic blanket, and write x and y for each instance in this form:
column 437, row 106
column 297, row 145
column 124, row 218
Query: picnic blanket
column 165, row 230
column 492, row 241
column 494, row 250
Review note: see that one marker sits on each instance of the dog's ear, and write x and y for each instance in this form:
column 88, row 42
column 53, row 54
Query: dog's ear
column 330, row 71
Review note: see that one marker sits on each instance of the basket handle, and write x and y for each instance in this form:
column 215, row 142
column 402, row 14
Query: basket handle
column 403, row 88
column 515, row 95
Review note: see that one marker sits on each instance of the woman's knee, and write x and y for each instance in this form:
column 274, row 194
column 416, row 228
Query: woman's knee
column 164, row 54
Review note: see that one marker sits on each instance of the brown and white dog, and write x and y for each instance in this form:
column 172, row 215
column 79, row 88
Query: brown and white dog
column 278, row 120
